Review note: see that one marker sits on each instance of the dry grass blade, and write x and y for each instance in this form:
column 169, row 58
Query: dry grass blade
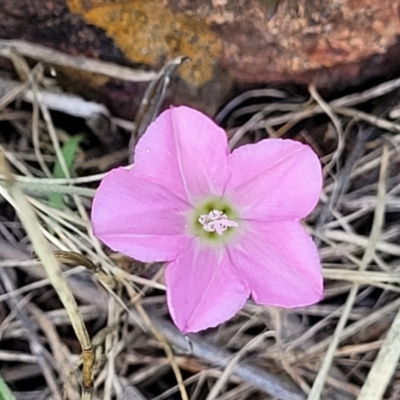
column 250, row 94
column 336, row 122
column 384, row 365
column 370, row 277
column 42, row 248
column 317, row 388
column 31, row 181
column 160, row 337
column 340, row 106
column 152, row 100
column 372, row 119
column 67, row 103
column 54, row 57
column 41, row 354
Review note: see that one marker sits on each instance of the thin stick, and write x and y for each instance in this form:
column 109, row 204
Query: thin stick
column 233, row 362
column 263, row 380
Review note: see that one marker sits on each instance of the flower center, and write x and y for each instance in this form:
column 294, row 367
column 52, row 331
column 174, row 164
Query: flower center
column 216, row 221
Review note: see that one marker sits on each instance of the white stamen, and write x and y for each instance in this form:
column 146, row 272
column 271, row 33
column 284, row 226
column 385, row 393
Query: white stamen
column 216, row 221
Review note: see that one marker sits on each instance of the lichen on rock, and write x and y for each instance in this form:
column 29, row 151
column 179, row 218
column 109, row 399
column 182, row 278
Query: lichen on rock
column 151, row 34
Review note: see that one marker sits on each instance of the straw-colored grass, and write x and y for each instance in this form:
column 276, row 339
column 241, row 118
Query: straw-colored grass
column 83, row 322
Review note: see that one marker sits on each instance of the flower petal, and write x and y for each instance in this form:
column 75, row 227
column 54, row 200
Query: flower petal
column 280, row 263
column 275, row 179
column 138, row 217
column 203, row 289
column 185, row 150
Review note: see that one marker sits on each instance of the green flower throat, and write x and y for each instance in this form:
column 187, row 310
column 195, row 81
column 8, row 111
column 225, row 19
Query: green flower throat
column 214, row 220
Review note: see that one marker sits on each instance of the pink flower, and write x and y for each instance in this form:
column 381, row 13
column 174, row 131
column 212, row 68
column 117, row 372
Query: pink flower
column 228, row 224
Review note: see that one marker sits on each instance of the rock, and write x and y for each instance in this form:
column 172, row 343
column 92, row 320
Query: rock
column 333, row 44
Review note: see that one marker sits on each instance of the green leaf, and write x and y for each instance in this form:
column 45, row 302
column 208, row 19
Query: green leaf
column 69, row 151
column 5, row 392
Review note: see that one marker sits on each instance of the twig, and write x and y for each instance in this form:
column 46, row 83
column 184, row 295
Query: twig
column 230, row 368
column 265, row 381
